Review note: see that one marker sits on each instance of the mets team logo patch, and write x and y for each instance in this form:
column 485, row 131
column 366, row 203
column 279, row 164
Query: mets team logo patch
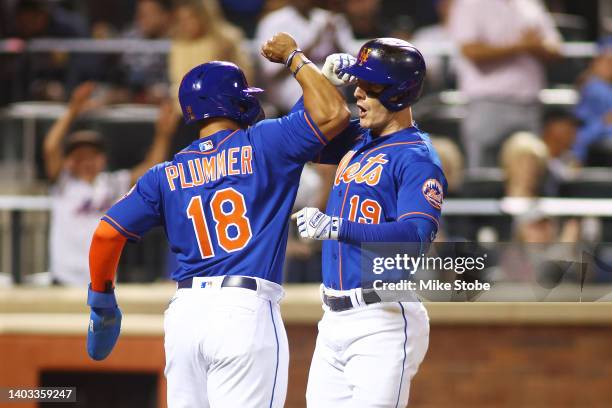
column 433, row 193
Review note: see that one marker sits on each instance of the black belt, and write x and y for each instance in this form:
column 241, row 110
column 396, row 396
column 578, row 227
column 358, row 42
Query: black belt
column 243, row 282
column 341, row 303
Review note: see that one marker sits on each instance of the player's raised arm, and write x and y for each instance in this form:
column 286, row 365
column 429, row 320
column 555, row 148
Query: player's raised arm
column 52, row 147
column 165, row 128
column 322, row 101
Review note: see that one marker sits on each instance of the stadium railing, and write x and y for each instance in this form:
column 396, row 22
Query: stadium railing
column 13, row 209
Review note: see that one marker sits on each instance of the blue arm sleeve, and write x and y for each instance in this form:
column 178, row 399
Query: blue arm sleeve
column 412, row 230
column 139, row 210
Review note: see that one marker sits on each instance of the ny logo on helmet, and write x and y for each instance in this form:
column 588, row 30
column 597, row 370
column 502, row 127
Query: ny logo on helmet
column 363, row 55
column 190, row 112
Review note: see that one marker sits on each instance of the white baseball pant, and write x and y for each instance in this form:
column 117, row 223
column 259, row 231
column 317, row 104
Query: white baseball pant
column 365, row 357
column 226, row 347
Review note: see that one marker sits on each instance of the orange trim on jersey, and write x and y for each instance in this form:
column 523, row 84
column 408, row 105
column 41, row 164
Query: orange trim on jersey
column 419, row 213
column 104, row 253
column 210, row 151
column 118, row 226
column 348, row 185
column 314, row 130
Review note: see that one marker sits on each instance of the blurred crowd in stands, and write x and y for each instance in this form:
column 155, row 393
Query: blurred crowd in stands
column 503, row 142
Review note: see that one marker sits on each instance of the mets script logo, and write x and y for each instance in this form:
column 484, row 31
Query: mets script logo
column 363, row 55
column 368, row 172
column 432, row 190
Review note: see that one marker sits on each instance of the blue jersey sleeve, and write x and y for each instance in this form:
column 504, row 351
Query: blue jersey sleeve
column 295, row 138
column 333, row 152
column 421, row 192
column 139, row 210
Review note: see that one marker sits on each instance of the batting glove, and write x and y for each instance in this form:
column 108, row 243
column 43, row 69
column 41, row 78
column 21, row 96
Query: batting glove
column 104, row 324
column 333, row 64
column 314, row 224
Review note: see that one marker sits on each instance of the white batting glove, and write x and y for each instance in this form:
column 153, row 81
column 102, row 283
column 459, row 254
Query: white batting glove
column 314, row 224
column 334, row 63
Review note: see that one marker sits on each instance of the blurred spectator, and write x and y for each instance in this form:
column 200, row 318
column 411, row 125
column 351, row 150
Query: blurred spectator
column 548, row 253
column 452, row 163
column 50, row 75
column 145, row 74
column 438, row 68
column 202, row 34
column 244, row 14
column 38, row 18
column 318, row 32
column 524, row 160
column 82, row 191
column 535, row 227
column 453, row 167
column 558, row 133
column 364, row 18
column 503, row 46
column 595, row 106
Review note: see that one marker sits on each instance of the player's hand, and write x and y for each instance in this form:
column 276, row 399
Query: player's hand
column 81, row 98
column 531, row 41
column 167, row 119
column 278, row 48
column 104, row 324
column 314, row 224
column 333, row 64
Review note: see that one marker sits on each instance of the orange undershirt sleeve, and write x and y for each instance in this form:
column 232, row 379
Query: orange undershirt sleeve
column 104, row 253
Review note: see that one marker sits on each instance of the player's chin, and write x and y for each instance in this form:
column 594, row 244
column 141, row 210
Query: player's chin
column 364, row 121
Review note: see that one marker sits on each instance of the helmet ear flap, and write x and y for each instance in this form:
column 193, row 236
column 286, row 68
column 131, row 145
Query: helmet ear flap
column 402, row 96
column 250, row 110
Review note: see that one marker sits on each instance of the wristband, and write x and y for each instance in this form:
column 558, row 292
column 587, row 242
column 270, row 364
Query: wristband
column 105, row 300
column 304, row 62
column 290, row 57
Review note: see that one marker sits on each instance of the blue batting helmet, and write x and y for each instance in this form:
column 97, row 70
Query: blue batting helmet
column 218, row 89
column 397, row 64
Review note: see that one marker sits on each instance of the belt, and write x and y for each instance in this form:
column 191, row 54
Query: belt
column 243, row 282
column 342, row 303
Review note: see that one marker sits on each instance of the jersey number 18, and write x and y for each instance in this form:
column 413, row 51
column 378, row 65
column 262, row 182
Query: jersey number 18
column 235, row 217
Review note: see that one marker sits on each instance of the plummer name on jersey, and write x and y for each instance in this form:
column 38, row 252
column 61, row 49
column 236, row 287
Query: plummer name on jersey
column 231, row 162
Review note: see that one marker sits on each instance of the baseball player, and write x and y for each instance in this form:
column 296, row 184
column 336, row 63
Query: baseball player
column 388, row 188
column 224, row 202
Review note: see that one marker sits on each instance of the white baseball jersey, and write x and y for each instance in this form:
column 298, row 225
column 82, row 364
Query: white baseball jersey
column 77, row 207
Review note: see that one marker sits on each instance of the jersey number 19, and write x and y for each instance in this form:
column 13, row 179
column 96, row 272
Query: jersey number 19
column 235, row 217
